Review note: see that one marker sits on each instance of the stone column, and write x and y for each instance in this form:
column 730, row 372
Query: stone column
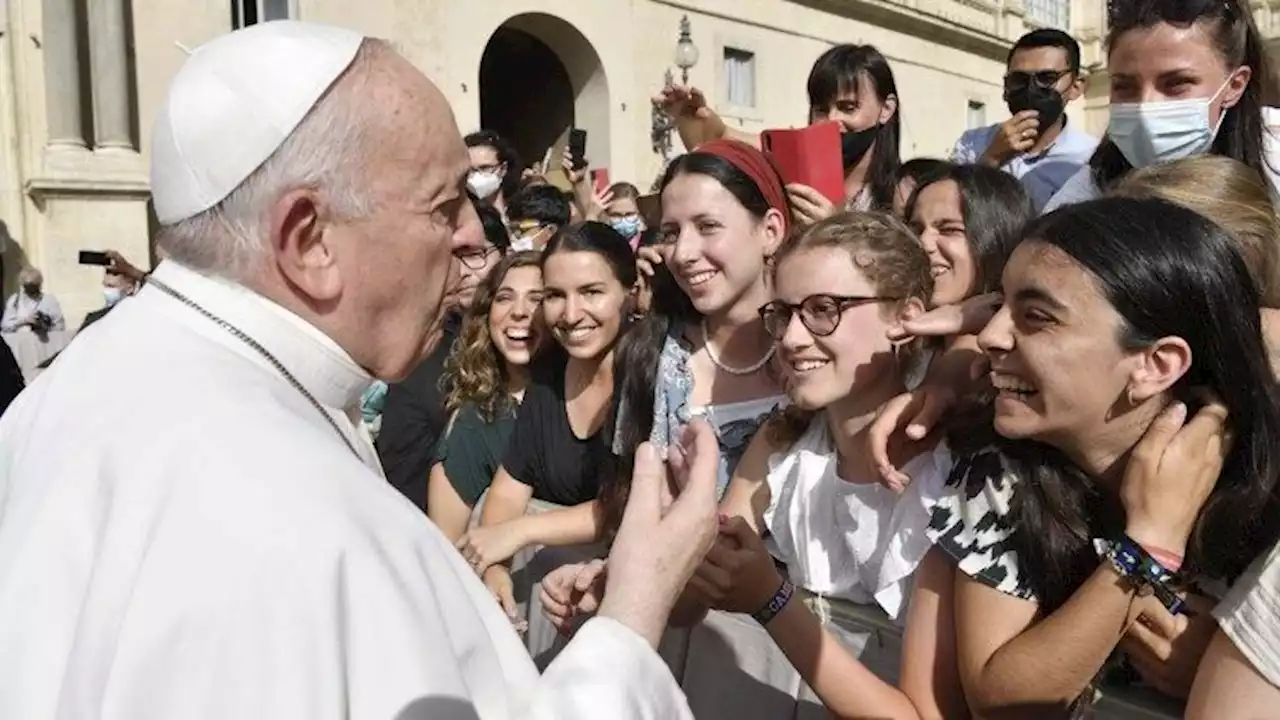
column 62, row 74
column 109, row 69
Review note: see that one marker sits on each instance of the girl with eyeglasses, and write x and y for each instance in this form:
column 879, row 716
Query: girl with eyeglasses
column 854, row 551
column 1188, row 77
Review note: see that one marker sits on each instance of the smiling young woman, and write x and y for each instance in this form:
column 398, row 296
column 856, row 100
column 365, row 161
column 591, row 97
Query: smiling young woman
column 485, row 378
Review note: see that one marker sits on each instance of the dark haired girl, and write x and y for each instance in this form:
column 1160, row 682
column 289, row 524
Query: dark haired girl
column 1121, row 318
column 852, row 85
column 968, row 218
column 561, row 438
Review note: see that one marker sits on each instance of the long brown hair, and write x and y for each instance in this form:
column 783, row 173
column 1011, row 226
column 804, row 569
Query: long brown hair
column 475, row 371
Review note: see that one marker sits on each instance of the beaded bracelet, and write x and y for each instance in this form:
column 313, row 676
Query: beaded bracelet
column 776, row 603
column 1148, row 576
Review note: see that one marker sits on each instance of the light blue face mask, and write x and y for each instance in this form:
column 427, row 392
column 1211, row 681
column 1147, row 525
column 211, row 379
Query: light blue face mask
column 1152, row 132
column 627, row 227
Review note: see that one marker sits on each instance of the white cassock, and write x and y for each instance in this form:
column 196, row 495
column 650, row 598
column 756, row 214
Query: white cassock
column 183, row 535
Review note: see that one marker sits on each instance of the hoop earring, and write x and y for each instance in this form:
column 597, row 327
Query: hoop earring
column 1128, row 396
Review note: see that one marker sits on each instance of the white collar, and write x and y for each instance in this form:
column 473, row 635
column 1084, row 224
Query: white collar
column 312, row 357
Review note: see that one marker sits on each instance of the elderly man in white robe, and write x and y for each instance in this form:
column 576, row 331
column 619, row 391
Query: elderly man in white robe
column 227, row 547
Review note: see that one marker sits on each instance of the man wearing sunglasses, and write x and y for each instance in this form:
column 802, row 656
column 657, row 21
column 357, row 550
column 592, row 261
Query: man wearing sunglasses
column 1035, row 144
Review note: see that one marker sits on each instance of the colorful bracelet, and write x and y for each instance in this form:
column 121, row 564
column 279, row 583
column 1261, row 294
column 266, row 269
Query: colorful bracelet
column 1147, row 575
column 776, row 603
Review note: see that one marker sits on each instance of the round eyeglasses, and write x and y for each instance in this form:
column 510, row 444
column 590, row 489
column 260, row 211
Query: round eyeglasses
column 475, row 258
column 820, row 314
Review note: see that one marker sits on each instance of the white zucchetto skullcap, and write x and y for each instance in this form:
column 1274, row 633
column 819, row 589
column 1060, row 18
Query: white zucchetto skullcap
column 233, row 103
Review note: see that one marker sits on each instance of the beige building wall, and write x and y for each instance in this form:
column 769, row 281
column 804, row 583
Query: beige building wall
column 58, row 197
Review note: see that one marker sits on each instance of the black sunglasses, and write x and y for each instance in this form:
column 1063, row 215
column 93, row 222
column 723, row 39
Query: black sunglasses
column 1021, row 79
column 820, row 314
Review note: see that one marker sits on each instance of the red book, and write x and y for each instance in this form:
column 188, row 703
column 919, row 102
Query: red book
column 809, row 156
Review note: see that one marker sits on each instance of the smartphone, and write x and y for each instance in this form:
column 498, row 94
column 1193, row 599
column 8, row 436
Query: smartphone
column 94, row 257
column 600, row 180
column 578, row 147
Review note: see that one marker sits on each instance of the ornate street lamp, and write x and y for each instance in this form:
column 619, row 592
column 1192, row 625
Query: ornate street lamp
column 686, row 51
column 686, row 57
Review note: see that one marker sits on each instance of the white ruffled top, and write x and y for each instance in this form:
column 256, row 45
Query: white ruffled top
column 852, row 541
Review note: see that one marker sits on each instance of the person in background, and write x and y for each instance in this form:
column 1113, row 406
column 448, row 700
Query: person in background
column 412, row 410
column 622, row 212
column 494, row 176
column 912, row 173
column 1187, row 78
column 969, row 218
column 849, row 84
column 31, row 307
column 116, row 286
column 1036, row 144
column 535, row 214
column 484, row 382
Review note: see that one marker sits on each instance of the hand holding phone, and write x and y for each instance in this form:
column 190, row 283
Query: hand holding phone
column 95, row 257
column 578, row 147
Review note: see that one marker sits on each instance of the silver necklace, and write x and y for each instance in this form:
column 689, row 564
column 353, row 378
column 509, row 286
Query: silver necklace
column 715, row 360
column 256, row 347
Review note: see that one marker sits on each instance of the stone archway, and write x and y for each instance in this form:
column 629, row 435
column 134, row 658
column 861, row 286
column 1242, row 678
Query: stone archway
column 540, row 77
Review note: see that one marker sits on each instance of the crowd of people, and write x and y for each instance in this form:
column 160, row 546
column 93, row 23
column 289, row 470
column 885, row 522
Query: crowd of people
column 993, row 437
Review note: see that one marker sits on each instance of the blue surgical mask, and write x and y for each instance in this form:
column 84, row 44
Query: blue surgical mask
column 1152, row 132
column 627, row 227
column 112, row 295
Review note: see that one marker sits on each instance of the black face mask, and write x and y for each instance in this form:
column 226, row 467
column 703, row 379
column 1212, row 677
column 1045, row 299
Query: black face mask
column 1045, row 101
column 854, row 145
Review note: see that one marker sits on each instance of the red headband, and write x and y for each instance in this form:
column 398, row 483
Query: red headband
column 757, row 166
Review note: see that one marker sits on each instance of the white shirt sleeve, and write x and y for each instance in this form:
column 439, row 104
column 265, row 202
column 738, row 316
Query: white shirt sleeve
column 1249, row 615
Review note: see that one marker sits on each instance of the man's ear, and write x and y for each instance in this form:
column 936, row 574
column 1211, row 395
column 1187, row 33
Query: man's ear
column 302, row 246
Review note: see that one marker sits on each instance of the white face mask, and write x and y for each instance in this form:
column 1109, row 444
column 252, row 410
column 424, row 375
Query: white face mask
column 484, row 183
column 112, row 295
column 1147, row 133
column 522, row 243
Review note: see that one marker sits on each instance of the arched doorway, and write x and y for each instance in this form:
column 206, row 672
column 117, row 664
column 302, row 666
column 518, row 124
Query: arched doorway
column 539, row 78
column 525, row 93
